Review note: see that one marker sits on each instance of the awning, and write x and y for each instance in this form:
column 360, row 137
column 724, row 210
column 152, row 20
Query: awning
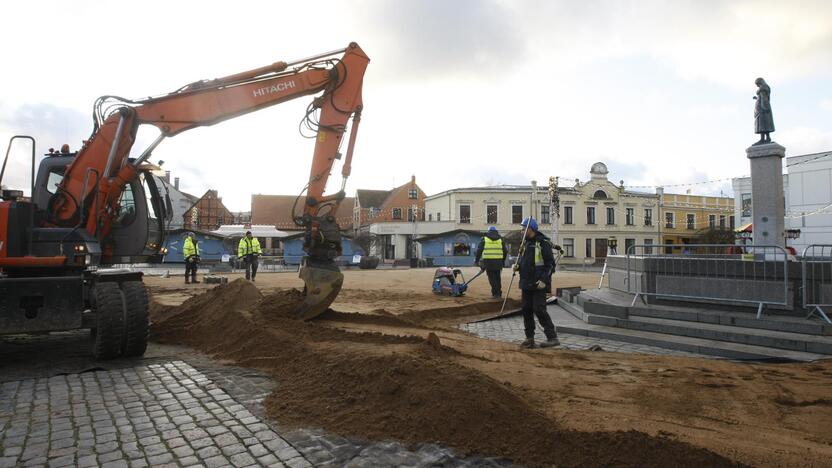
column 744, row 228
column 257, row 230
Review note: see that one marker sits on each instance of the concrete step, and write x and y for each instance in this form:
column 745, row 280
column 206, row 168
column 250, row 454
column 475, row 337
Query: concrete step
column 737, row 319
column 692, row 345
column 732, row 334
column 617, row 305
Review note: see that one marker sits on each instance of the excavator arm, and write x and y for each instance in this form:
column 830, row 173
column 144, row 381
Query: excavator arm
column 88, row 196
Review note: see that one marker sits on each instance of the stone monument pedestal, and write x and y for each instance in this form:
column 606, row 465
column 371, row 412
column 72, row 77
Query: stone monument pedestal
column 767, row 200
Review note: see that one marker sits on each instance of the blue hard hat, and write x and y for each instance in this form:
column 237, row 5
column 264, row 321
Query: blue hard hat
column 492, row 229
column 530, row 222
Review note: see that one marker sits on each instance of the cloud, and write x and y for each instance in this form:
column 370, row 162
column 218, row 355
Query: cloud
column 804, row 140
column 826, row 104
column 51, row 126
column 432, row 38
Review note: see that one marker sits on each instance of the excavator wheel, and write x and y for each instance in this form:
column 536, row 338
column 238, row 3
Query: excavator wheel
column 137, row 321
column 322, row 283
column 107, row 336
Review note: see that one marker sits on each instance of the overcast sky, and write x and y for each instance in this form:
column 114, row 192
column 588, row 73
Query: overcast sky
column 459, row 93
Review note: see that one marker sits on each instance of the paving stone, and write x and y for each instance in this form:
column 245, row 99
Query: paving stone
column 116, row 464
column 108, row 457
column 233, row 449
column 268, row 460
column 208, row 452
column 67, row 460
column 87, row 461
column 155, row 449
column 242, row 459
column 203, row 442
column 160, row 459
column 189, row 461
column 216, row 462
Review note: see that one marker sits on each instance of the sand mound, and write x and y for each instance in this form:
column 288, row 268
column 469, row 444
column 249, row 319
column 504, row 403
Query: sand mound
column 381, row 387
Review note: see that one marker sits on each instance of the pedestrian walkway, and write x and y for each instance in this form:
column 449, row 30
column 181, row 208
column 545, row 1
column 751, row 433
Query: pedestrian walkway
column 511, row 329
column 171, row 414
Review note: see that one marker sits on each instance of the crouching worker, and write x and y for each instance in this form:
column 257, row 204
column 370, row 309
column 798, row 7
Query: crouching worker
column 535, row 266
column 249, row 251
column 191, row 253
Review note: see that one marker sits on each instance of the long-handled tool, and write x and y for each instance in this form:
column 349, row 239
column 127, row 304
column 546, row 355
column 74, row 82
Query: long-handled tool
column 514, row 267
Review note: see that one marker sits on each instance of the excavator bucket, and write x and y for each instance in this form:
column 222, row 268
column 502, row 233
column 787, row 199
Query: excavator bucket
column 323, row 283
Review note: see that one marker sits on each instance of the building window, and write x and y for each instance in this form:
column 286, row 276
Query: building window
column 600, row 194
column 517, row 214
column 569, row 247
column 648, row 250
column 631, row 216
column 491, row 214
column 544, row 215
column 732, row 222
column 413, row 194
column 668, row 220
column 588, row 248
column 629, row 245
column 465, row 214
column 397, row 213
column 590, row 215
column 691, row 221
column 567, row 215
column 439, row 216
column 722, row 221
column 648, row 216
column 410, row 217
column 610, row 215
column 711, row 221
column 430, row 217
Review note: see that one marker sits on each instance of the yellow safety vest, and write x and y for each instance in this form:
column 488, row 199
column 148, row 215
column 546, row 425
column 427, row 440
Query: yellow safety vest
column 247, row 247
column 493, row 249
column 189, row 249
column 538, row 255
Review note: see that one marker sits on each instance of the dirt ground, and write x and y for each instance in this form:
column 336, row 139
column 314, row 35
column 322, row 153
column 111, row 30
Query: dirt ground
column 388, row 362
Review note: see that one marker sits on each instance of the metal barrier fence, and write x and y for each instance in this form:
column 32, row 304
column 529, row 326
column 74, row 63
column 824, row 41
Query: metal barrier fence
column 817, row 279
column 753, row 274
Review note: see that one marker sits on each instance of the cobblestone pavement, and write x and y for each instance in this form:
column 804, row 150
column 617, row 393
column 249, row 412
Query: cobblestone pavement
column 168, row 412
column 511, row 329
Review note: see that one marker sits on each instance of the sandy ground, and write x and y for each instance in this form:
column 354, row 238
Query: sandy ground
column 763, row 415
column 395, row 291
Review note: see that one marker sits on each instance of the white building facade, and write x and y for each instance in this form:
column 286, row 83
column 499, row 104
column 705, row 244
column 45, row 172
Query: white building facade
column 591, row 213
column 809, row 199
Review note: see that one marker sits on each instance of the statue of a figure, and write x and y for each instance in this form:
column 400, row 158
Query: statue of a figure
column 763, row 120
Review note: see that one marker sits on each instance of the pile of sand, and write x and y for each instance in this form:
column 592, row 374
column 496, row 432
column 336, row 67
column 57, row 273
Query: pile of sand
column 401, row 387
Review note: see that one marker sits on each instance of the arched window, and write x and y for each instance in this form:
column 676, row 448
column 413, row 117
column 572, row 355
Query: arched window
column 599, row 194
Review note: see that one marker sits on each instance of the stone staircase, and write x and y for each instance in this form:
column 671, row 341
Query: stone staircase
column 729, row 333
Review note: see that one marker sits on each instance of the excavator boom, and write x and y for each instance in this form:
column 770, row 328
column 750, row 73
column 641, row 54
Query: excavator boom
column 89, row 194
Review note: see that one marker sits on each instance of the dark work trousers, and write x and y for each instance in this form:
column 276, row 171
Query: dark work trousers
column 251, row 266
column 534, row 304
column 190, row 269
column 495, row 282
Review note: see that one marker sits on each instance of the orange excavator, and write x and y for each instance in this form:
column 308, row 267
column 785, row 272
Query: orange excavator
column 99, row 207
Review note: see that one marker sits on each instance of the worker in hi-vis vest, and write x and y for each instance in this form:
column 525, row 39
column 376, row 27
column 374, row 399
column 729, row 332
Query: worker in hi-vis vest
column 491, row 257
column 190, row 251
column 249, row 250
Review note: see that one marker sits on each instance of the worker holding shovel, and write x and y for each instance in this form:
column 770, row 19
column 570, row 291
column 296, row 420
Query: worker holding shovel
column 535, row 265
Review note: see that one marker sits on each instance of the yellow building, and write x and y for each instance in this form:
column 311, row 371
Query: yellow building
column 684, row 217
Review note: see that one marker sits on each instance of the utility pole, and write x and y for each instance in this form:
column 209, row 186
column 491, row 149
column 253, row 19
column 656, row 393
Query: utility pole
column 554, row 208
column 532, row 199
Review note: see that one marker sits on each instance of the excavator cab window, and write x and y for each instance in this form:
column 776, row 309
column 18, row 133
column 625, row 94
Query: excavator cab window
column 126, row 207
column 55, row 177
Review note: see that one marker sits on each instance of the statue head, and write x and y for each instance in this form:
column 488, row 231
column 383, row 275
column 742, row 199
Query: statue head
column 759, row 82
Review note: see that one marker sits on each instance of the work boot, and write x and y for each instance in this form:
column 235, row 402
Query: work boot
column 550, row 342
column 194, row 281
column 187, row 281
column 529, row 343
